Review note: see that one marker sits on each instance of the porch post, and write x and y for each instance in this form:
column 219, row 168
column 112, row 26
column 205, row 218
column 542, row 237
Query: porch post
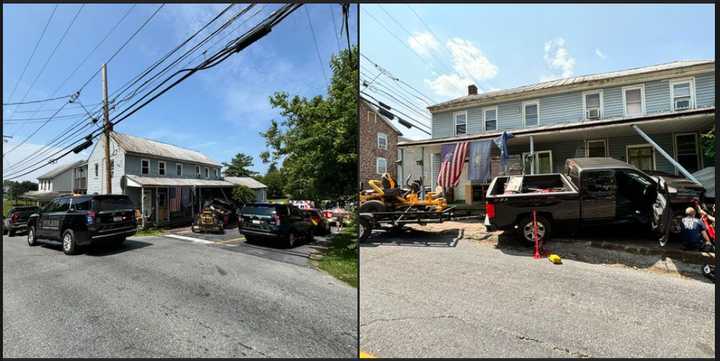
column 142, row 206
column 532, row 155
column 664, row 154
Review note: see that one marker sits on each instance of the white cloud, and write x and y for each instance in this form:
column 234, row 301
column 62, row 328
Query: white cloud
column 558, row 60
column 17, row 155
column 449, row 85
column 423, row 43
column 600, row 54
column 468, row 59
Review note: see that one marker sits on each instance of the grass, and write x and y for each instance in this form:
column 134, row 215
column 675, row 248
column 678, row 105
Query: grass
column 150, row 232
column 7, row 204
column 341, row 258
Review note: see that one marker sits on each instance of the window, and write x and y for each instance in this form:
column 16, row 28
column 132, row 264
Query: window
column 372, row 116
column 540, row 162
column 592, row 104
column 96, row 169
column 217, row 173
column 460, row 123
column 207, row 172
column 197, row 171
column 641, row 156
column 178, row 169
column 382, row 141
column 634, row 100
column 682, row 93
column 161, row 168
column 686, row 151
column 144, row 166
column 380, row 165
column 81, row 204
column 531, row 113
column 490, row 116
column 596, row 148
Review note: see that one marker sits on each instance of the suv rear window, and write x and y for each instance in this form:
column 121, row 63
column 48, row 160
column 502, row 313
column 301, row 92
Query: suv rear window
column 261, row 210
column 112, row 203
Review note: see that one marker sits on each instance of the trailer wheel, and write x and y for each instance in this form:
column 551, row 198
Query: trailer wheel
column 372, row 206
column 364, row 229
column 525, row 229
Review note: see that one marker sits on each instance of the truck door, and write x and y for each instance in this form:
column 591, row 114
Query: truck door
column 598, row 193
column 661, row 213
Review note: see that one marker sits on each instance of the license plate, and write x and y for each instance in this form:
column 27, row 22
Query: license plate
column 256, row 221
column 117, row 219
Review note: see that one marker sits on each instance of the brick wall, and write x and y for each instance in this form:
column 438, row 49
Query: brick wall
column 370, row 126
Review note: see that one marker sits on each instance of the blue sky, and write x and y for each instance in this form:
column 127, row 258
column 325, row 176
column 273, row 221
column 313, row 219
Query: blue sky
column 504, row 46
column 218, row 112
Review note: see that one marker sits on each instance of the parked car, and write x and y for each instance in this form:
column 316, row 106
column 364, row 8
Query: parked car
column 81, row 220
column 17, row 219
column 321, row 226
column 274, row 221
column 590, row 192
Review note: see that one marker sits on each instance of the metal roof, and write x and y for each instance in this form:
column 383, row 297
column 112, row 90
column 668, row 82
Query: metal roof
column 569, row 81
column 246, row 181
column 61, row 169
column 149, row 147
column 138, row 181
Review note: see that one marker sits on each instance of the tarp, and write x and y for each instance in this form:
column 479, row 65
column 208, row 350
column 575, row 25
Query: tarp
column 501, row 142
column 479, row 167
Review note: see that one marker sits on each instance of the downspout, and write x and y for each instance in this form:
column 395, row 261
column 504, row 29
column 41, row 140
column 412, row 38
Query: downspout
column 665, row 154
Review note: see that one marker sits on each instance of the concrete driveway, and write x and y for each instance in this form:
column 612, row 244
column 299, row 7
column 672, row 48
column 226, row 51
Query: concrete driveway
column 161, row 297
column 471, row 299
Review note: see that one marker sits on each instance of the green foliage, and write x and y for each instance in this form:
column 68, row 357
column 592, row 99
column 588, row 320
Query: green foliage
column 238, row 166
column 16, row 189
column 274, row 180
column 243, row 194
column 708, row 146
column 317, row 137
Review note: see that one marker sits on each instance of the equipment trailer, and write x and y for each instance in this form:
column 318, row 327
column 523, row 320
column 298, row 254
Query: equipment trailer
column 367, row 221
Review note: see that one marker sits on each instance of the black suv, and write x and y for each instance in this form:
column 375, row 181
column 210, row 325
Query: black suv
column 274, row 221
column 82, row 220
column 17, row 219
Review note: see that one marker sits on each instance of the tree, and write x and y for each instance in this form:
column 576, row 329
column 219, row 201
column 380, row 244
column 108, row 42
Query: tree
column 16, row 189
column 243, row 194
column 274, row 180
column 317, row 137
column 238, row 166
column 708, row 146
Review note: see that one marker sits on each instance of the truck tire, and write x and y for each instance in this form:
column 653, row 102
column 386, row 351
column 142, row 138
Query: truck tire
column 364, row 229
column 32, row 236
column 525, row 229
column 11, row 233
column 372, row 206
column 69, row 244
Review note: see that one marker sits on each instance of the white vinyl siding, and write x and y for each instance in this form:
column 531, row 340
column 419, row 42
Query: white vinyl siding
column 633, row 100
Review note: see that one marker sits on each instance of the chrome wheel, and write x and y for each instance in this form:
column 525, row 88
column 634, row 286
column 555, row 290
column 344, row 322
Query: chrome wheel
column 67, row 242
column 31, row 236
column 291, row 240
column 528, row 231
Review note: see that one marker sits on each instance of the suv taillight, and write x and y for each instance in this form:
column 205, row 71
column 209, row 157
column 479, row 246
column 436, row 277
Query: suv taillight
column 327, row 214
column 90, row 218
column 490, row 210
column 276, row 218
column 14, row 217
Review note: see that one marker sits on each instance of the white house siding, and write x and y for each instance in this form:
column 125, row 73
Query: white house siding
column 96, row 184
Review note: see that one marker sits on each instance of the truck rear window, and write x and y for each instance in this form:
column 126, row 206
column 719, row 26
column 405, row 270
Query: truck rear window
column 263, row 211
column 112, row 203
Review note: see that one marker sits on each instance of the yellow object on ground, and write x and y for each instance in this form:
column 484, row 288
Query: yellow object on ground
column 555, row 259
column 366, row 355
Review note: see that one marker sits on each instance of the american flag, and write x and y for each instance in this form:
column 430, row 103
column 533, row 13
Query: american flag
column 175, row 198
column 452, row 165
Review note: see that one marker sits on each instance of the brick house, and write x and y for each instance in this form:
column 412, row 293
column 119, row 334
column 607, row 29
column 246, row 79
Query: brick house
column 378, row 144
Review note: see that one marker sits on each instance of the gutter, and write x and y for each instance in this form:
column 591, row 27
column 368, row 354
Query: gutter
column 572, row 126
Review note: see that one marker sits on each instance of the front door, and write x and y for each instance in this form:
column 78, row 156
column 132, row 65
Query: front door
column 149, row 206
column 162, row 205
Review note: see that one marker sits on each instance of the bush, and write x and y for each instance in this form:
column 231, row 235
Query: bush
column 243, row 194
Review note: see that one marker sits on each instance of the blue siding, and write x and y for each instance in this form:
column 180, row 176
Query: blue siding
column 561, row 108
column 442, row 124
column 510, row 116
column 612, row 102
column 475, row 118
column 705, row 90
column 132, row 166
column 657, row 96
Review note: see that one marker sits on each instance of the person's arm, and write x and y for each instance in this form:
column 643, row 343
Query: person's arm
column 709, row 217
column 705, row 236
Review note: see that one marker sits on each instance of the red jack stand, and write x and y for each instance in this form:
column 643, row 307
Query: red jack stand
column 536, row 254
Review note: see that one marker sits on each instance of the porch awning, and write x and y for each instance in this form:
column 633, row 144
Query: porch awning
column 42, row 196
column 138, row 181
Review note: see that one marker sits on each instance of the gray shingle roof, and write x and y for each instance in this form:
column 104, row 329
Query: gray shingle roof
column 60, row 169
column 139, row 145
column 246, row 181
column 570, row 81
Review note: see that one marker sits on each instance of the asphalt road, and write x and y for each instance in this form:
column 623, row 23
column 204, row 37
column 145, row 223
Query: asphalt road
column 463, row 299
column 161, row 297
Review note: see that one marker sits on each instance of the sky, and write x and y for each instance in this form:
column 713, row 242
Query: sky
column 440, row 49
column 218, row 112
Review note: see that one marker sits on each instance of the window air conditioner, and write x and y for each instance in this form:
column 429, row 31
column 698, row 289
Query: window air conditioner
column 593, row 113
column 682, row 104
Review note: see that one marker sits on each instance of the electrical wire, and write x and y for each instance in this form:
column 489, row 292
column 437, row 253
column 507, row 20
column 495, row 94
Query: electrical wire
column 40, row 100
column 317, row 48
column 419, row 125
column 387, row 73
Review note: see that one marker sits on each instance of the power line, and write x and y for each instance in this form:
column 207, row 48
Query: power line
column 39, row 100
column 419, row 125
column 335, row 28
column 32, row 55
column 317, row 49
column 398, row 80
column 41, row 118
column 409, row 106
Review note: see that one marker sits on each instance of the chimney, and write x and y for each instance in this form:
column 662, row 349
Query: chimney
column 472, row 89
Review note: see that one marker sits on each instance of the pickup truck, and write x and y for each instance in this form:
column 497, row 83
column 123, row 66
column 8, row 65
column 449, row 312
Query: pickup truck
column 590, row 192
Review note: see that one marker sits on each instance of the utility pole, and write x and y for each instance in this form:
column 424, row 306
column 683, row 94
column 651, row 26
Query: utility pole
column 106, row 127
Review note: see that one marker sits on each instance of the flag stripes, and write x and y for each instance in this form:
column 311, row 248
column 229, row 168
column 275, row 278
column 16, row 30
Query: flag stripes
column 451, row 167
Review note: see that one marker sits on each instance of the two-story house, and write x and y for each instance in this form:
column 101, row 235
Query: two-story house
column 65, row 179
column 651, row 117
column 378, row 139
column 169, row 184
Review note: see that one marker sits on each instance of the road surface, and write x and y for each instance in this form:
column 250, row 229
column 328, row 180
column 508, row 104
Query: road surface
column 163, row 297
